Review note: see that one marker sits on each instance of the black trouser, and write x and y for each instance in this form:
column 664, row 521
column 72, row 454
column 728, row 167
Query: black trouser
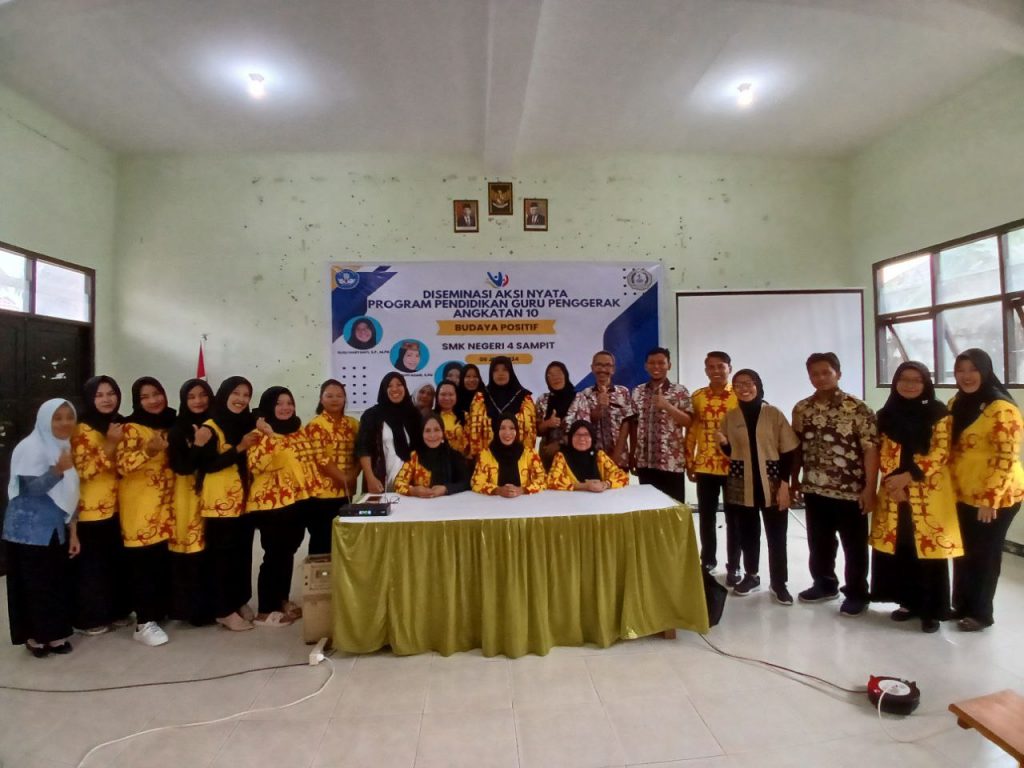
column 190, row 599
column 229, row 548
column 281, row 533
column 776, row 523
column 976, row 574
column 100, row 584
column 827, row 517
column 921, row 585
column 37, row 592
column 709, row 488
column 672, row 483
column 149, row 570
column 319, row 517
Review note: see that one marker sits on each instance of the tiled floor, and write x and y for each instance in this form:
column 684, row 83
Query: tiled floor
column 648, row 702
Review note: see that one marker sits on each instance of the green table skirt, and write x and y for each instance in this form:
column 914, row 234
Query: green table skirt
column 515, row 585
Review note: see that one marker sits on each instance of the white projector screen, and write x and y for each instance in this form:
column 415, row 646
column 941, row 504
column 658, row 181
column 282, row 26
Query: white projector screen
column 772, row 332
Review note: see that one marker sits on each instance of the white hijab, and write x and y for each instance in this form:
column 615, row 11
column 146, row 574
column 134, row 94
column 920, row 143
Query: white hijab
column 34, row 456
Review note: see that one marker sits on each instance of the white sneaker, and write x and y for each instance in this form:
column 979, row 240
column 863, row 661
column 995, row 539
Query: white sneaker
column 150, row 634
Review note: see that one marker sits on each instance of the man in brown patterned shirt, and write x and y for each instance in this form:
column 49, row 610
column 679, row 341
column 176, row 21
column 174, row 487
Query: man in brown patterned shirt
column 608, row 407
column 663, row 409
column 839, row 455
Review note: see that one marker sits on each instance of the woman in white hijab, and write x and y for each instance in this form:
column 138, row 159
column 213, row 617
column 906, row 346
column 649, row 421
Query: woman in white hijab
column 43, row 495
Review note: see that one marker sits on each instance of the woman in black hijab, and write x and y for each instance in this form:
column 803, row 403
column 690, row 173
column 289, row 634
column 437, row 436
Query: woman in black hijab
column 387, row 431
column 98, row 574
column 551, row 409
column 434, row 468
column 279, row 485
column 989, row 483
column 363, row 334
column 222, row 480
column 147, row 485
column 503, row 396
column 470, row 383
column 507, row 467
column 760, row 445
column 914, row 530
column 189, row 596
column 581, row 466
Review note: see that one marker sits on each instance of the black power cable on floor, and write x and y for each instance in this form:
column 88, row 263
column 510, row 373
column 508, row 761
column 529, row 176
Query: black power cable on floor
column 156, row 683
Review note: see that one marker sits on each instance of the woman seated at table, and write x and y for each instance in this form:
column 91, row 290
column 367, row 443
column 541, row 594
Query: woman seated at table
column 579, row 466
column 434, row 468
column 507, row 467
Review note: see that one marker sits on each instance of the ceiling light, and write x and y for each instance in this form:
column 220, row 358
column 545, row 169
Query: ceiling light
column 746, row 97
column 257, row 88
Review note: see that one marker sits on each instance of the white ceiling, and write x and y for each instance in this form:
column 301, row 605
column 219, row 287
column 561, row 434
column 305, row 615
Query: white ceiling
column 500, row 79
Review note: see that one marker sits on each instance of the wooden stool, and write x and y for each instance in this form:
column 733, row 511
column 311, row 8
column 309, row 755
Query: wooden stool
column 999, row 717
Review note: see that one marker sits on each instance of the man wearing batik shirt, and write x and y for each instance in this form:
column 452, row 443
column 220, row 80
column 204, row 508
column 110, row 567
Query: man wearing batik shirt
column 663, row 409
column 839, row 455
column 608, row 407
column 707, row 466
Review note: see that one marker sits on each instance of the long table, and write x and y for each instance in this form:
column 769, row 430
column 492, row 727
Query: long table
column 516, row 576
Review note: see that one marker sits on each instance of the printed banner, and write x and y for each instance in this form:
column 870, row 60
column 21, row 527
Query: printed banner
column 420, row 318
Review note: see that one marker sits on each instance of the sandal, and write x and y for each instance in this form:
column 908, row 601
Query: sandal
column 292, row 610
column 272, row 619
column 61, row 648
column 39, row 651
column 235, row 623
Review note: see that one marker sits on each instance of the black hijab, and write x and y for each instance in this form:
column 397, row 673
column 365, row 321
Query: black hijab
column 465, row 398
column 402, row 351
column 503, row 399
column 582, row 463
column 752, row 410
column 181, row 437
column 234, row 425
column 968, row 407
column 438, row 461
column 910, row 422
column 561, row 399
column 403, row 417
column 162, row 420
column 323, row 388
column 89, row 415
column 448, row 368
column 265, row 410
column 507, row 456
column 355, row 343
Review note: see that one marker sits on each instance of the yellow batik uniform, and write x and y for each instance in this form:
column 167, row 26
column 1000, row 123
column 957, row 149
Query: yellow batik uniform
column 188, row 533
column 703, row 452
column 985, row 460
column 480, row 432
column 146, row 490
column 97, row 475
column 561, row 478
column 279, row 478
column 455, row 433
column 932, row 503
column 333, row 442
column 222, row 494
column 532, row 477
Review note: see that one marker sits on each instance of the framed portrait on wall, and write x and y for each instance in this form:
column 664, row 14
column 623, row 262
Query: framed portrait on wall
column 466, row 215
column 499, row 198
column 535, row 214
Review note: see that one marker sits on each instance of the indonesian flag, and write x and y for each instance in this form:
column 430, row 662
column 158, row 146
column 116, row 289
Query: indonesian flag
column 201, row 364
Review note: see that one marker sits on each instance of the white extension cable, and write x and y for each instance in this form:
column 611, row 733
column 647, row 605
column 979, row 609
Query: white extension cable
column 316, row 656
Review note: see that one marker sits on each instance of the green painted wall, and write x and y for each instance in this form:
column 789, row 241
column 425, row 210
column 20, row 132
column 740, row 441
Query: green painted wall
column 237, row 246
column 57, row 198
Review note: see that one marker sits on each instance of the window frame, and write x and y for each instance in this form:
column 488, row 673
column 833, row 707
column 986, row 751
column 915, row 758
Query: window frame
column 33, row 259
column 1011, row 302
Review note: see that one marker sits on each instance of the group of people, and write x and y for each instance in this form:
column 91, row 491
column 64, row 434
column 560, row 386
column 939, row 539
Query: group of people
column 905, row 490
column 157, row 510
column 154, row 513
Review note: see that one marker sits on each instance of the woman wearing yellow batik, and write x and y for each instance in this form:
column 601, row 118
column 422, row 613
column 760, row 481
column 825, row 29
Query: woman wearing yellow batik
column 503, row 397
column 989, row 482
column 581, row 467
column 914, row 530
